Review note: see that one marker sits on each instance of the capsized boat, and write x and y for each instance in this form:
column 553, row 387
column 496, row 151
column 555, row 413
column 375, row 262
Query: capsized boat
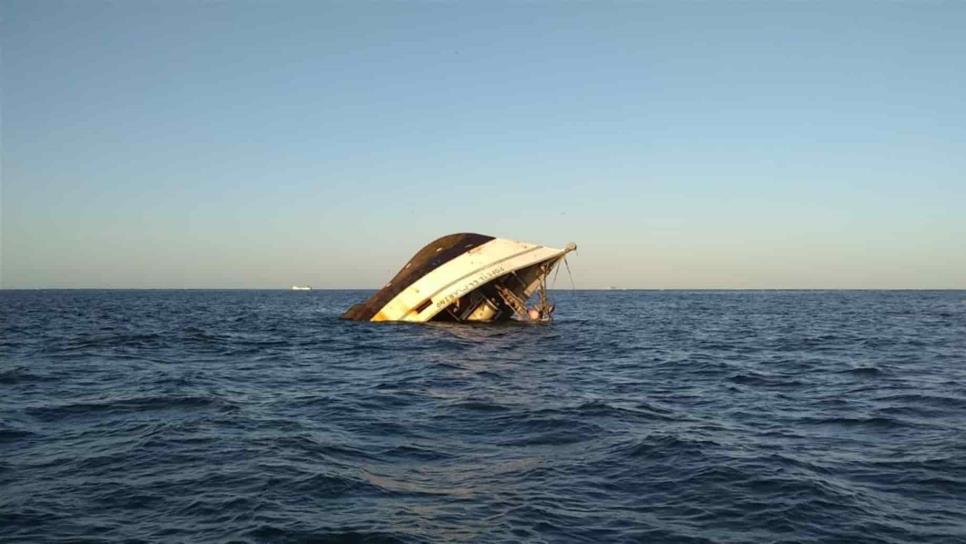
column 466, row 277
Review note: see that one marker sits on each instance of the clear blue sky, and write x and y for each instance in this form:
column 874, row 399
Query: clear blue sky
column 680, row 144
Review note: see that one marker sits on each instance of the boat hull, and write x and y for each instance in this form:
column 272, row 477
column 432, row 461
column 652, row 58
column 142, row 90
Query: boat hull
column 485, row 279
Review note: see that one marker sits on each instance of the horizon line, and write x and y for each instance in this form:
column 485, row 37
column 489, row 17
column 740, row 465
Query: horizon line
column 553, row 289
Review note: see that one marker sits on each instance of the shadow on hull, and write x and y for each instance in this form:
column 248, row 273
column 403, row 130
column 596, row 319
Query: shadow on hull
column 467, row 278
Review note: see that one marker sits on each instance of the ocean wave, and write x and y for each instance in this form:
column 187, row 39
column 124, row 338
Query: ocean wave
column 274, row 533
column 864, row 371
column 22, row 375
column 764, row 380
column 54, row 412
column 650, row 416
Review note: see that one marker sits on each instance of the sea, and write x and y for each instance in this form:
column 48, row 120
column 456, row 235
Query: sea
column 635, row 416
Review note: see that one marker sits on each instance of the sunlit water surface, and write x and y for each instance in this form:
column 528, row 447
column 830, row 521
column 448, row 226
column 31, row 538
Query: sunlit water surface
column 643, row 416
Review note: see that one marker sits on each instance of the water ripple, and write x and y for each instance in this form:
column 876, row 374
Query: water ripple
column 259, row 416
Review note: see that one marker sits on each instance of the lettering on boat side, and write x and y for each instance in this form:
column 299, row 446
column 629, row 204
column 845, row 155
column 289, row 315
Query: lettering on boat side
column 470, row 285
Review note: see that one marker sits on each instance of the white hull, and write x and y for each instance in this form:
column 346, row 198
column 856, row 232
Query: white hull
column 465, row 277
column 453, row 280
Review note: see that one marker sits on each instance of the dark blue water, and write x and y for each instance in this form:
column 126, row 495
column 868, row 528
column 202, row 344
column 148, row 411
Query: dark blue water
column 636, row 417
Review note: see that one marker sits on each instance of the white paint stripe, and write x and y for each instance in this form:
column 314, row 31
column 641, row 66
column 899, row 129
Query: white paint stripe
column 461, row 275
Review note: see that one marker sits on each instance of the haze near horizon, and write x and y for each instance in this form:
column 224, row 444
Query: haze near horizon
column 679, row 144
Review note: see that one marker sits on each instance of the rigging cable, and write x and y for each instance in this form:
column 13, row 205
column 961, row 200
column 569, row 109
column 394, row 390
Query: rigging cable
column 573, row 286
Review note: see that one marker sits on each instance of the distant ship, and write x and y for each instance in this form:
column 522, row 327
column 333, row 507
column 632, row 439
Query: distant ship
column 301, row 288
column 467, row 277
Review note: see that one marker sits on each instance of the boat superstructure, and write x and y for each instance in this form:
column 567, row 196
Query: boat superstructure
column 466, row 277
